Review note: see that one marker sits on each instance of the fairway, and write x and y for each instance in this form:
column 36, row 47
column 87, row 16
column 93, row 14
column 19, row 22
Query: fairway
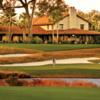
column 49, row 93
column 53, row 47
column 69, row 70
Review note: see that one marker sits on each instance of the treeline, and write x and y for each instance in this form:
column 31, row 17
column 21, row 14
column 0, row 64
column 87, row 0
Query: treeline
column 93, row 17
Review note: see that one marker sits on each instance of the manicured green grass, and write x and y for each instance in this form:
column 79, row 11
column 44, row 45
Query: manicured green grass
column 53, row 47
column 49, row 93
column 49, row 70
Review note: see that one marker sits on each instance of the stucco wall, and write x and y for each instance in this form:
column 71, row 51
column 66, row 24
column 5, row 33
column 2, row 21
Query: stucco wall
column 64, row 21
column 80, row 21
column 69, row 22
column 44, row 27
column 72, row 23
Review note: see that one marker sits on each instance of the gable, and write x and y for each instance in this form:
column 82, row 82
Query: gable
column 83, row 19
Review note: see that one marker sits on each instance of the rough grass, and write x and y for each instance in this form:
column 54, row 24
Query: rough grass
column 71, row 70
column 53, row 47
column 49, row 93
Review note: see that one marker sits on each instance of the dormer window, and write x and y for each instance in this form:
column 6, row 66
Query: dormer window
column 61, row 26
column 82, row 26
column 47, row 27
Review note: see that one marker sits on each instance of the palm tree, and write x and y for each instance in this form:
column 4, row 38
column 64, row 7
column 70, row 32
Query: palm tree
column 23, row 24
column 8, row 19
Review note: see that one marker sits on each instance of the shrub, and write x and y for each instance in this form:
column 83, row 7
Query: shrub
column 50, row 42
column 97, row 39
column 26, row 39
column 13, row 81
column 5, row 39
column 66, row 42
column 37, row 40
column 16, row 39
column 3, row 76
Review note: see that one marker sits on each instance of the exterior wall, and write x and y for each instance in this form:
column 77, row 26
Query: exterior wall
column 69, row 22
column 65, row 23
column 47, row 27
column 80, row 21
column 72, row 18
column 44, row 27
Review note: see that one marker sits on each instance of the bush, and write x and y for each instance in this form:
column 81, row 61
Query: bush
column 50, row 42
column 5, row 39
column 66, row 42
column 97, row 39
column 16, row 39
column 3, row 76
column 37, row 40
column 13, row 81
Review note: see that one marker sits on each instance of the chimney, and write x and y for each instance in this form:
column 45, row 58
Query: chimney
column 72, row 17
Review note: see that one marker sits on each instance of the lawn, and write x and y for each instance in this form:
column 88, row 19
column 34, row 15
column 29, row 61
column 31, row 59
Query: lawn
column 49, row 93
column 53, row 47
column 70, row 70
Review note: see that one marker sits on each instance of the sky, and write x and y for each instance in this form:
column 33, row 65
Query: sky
column 84, row 5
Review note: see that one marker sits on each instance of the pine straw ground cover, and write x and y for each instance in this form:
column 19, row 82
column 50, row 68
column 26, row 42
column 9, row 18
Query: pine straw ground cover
column 45, row 82
column 14, row 50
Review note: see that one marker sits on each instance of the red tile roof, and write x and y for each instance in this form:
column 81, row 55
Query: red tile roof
column 38, row 30
column 18, row 30
column 45, row 20
column 13, row 29
column 77, row 31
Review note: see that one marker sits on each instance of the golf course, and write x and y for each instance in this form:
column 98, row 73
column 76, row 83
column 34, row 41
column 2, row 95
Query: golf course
column 41, row 52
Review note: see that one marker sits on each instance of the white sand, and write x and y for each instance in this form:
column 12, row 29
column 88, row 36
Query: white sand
column 60, row 61
column 14, row 55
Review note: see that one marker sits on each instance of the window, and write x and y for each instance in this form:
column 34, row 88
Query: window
column 81, row 26
column 47, row 27
column 52, row 27
column 61, row 26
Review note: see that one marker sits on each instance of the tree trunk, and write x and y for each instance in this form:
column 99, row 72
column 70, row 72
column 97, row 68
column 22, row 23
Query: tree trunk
column 57, row 33
column 30, row 20
column 53, row 36
column 9, row 30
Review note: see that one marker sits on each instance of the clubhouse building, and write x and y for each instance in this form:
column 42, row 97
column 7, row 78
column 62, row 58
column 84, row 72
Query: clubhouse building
column 71, row 28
